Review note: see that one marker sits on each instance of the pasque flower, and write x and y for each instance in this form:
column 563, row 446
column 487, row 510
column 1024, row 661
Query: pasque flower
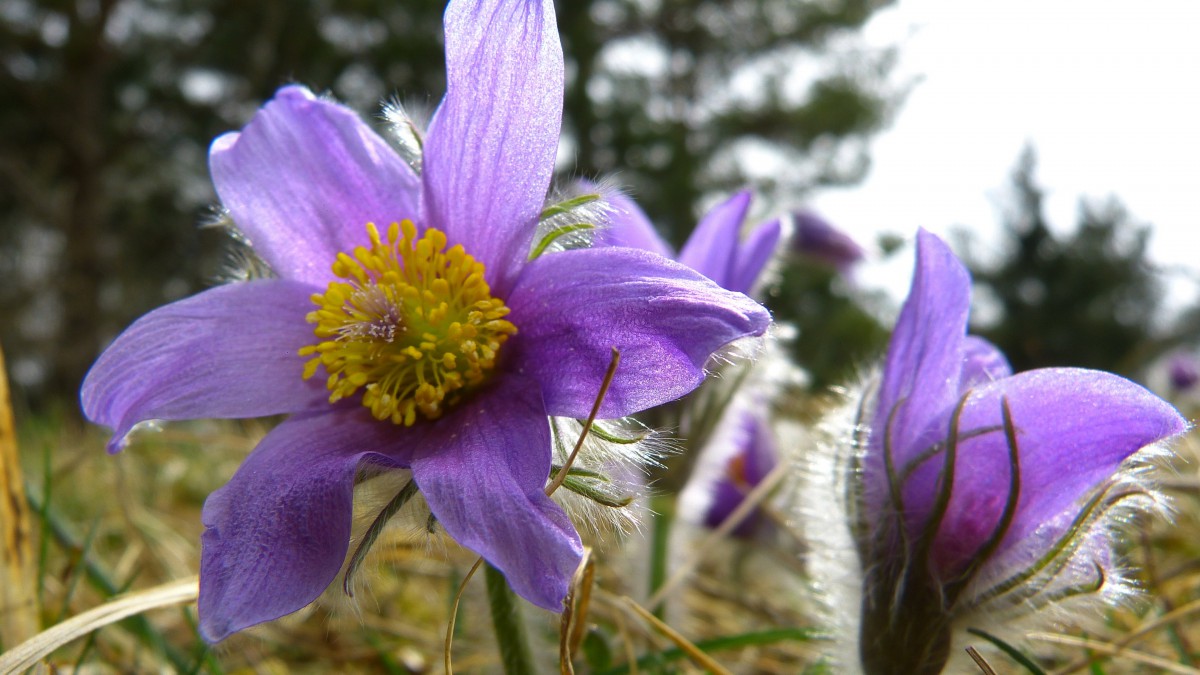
column 715, row 249
column 739, row 454
column 817, row 238
column 978, row 489
column 1183, row 370
column 742, row 445
column 412, row 322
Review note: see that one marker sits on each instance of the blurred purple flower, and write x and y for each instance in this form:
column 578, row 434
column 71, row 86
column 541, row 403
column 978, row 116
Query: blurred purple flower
column 449, row 341
column 815, row 237
column 1183, row 371
column 715, row 248
column 739, row 455
column 980, row 487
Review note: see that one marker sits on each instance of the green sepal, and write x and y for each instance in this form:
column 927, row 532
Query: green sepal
column 582, row 482
column 605, row 435
column 581, row 487
column 556, row 234
column 568, row 205
column 578, row 473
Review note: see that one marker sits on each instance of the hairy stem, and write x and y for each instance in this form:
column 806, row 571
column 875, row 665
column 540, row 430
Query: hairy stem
column 506, row 621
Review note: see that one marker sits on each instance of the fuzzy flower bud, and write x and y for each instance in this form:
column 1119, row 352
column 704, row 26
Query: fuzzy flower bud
column 971, row 492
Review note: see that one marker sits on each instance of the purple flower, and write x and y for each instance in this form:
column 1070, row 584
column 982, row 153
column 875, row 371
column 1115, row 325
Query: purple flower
column 815, row 237
column 740, row 455
column 981, row 488
column 436, row 342
column 715, row 248
column 1183, row 371
column 748, row 459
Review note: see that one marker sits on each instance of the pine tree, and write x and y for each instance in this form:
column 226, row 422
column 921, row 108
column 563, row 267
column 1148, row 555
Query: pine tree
column 1090, row 298
column 108, row 108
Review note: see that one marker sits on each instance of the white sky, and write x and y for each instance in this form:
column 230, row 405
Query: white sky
column 1108, row 91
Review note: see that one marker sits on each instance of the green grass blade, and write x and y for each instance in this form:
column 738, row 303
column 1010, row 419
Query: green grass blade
column 1010, row 650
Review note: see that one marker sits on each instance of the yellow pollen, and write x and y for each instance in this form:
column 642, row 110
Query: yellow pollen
column 411, row 325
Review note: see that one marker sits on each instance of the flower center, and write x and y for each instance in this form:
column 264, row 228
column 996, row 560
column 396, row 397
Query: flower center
column 412, row 325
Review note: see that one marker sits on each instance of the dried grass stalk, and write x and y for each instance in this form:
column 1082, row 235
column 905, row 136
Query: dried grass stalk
column 18, row 576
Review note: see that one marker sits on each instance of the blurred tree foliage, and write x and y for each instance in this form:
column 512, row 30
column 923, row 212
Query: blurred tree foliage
column 109, row 106
column 837, row 331
column 687, row 101
column 1090, row 298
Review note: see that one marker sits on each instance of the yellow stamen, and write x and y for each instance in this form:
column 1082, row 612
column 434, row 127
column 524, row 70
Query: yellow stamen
column 411, row 325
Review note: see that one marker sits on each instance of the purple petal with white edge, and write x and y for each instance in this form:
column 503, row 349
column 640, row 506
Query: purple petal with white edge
column 712, row 248
column 573, row 307
column 630, row 227
column 278, row 531
column 491, row 145
column 923, row 367
column 983, row 362
column 753, row 255
column 304, row 178
column 1074, row 428
column 229, row 352
column 483, row 471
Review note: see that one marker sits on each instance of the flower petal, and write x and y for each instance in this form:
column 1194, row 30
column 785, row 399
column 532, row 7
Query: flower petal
column 491, row 145
column 923, row 368
column 753, row 255
column 304, row 178
column 1074, row 429
column 815, row 237
column 483, row 473
column 573, row 307
column 230, row 351
column 278, row 531
column 745, row 465
column 712, row 248
column 1089, row 561
column 983, row 362
column 1183, row 371
column 631, row 228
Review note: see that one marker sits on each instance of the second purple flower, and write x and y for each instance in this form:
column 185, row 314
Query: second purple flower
column 971, row 492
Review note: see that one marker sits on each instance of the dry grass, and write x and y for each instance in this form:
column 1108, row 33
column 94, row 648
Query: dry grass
column 132, row 521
